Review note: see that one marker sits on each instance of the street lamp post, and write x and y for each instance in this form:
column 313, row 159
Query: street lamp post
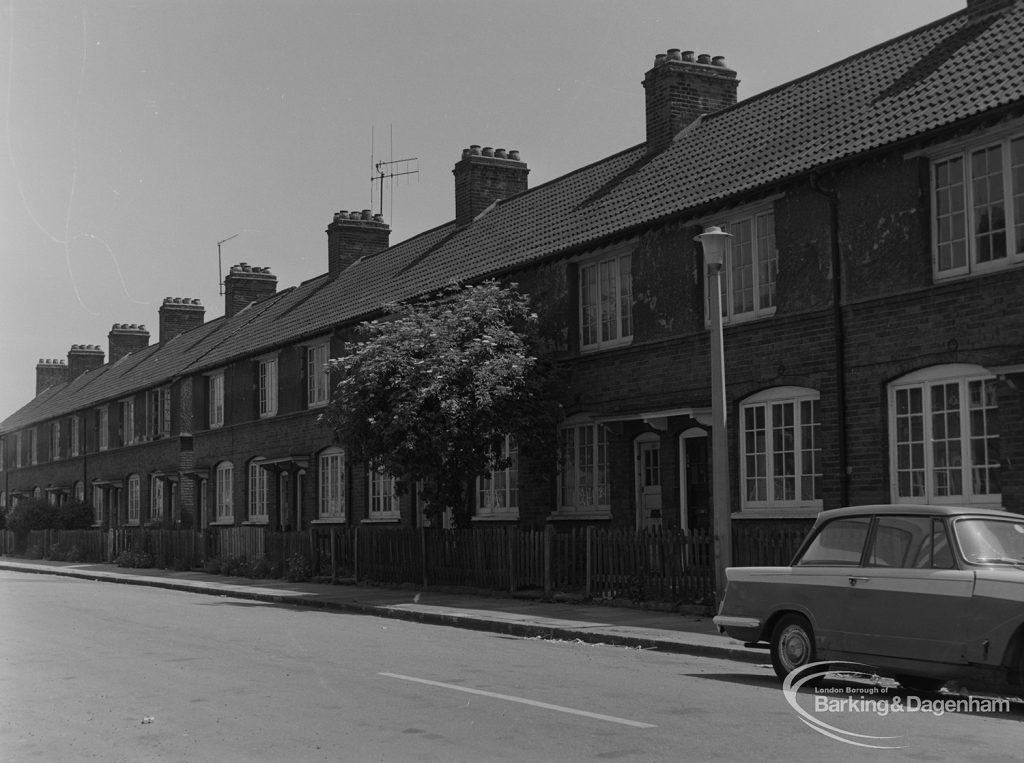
column 714, row 242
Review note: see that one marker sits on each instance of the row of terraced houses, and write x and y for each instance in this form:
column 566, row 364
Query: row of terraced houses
column 873, row 303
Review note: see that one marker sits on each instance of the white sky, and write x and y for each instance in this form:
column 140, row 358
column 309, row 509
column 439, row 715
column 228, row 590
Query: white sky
column 139, row 133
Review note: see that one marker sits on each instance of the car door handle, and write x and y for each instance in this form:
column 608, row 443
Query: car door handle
column 855, row 580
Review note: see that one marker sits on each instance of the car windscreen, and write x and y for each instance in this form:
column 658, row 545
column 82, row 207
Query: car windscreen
column 990, row 541
column 838, row 543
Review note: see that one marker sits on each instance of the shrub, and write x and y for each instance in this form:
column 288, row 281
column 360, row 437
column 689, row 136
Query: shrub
column 297, row 568
column 261, row 568
column 212, row 565
column 37, row 514
column 234, row 566
column 134, row 559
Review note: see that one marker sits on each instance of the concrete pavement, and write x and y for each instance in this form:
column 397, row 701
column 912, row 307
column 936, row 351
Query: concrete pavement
column 530, row 618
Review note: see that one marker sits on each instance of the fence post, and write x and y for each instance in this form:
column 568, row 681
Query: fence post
column 334, row 557
column 355, row 553
column 547, row 558
column 423, row 554
column 587, row 549
column 509, row 531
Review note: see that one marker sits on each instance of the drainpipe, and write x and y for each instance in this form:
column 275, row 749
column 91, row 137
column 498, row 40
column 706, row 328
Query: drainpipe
column 832, row 197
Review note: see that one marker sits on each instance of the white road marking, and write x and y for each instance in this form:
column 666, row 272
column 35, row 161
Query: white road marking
column 523, row 701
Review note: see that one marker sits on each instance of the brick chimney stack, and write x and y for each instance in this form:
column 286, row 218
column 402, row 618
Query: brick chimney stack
column 82, row 358
column 50, row 373
column 680, row 88
column 178, row 315
column 126, row 338
column 246, row 284
column 483, row 176
column 352, row 235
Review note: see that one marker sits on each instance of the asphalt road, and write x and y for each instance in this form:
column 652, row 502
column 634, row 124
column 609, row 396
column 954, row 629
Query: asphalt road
column 98, row 671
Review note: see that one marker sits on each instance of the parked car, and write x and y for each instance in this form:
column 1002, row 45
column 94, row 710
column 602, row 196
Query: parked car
column 927, row 594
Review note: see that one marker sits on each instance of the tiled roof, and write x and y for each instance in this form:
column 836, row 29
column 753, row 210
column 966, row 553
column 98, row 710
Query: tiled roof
column 907, row 88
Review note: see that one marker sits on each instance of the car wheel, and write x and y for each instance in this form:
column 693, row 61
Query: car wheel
column 916, row 683
column 792, row 644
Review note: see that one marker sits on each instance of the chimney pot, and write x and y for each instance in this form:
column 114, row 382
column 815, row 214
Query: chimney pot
column 500, row 153
column 678, row 92
column 488, row 151
column 659, row 59
column 352, row 236
column 474, row 150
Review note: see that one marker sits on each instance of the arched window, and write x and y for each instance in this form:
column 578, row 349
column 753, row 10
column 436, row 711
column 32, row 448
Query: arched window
column 257, row 491
column 780, row 458
column 497, row 496
column 944, row 436
column 134, row 499
column 222, row 492
column 331, row 474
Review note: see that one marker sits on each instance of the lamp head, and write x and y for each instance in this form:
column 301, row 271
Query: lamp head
column 714, row 240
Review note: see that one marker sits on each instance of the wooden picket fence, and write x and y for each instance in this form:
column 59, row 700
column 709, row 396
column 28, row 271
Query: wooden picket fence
column 652, row 565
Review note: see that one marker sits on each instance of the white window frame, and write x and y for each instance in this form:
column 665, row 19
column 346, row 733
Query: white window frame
column 97, row 504
column 259, row 500
column 956, row 206
column 266, row 386
column 158, row 417
column 606, row 319
column 332, row 482
column 780, row 455
column 127, row 421
column 318, row 381
column 103, row 428
column 156, row 499
column 383, row 503
column 75, row 425
column 223, row 487
column 215, row 399
column 924, row 463
column 763, row 266
column 55, row 454
column 497, row 496
column 134, row 499
column 584, row 474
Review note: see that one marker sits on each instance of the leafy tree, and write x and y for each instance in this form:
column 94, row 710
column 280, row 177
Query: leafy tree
column 429, row 394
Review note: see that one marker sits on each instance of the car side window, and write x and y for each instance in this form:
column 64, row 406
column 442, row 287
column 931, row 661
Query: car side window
column 901, row 541
column 838, row 543
column 942, row 552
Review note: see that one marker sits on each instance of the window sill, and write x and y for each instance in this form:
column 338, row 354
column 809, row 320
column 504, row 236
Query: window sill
column 328, row 521
column 592, row 349
column 256, row 523
column 772, row 512
column 381, row 520
column 570, row 514
column 506, row 516
column 222, row 523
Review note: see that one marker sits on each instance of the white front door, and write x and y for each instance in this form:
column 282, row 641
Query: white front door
column 648, row 480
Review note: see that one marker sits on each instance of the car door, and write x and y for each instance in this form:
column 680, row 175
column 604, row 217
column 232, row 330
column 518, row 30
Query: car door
column 820, row 580
column 909, row 600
